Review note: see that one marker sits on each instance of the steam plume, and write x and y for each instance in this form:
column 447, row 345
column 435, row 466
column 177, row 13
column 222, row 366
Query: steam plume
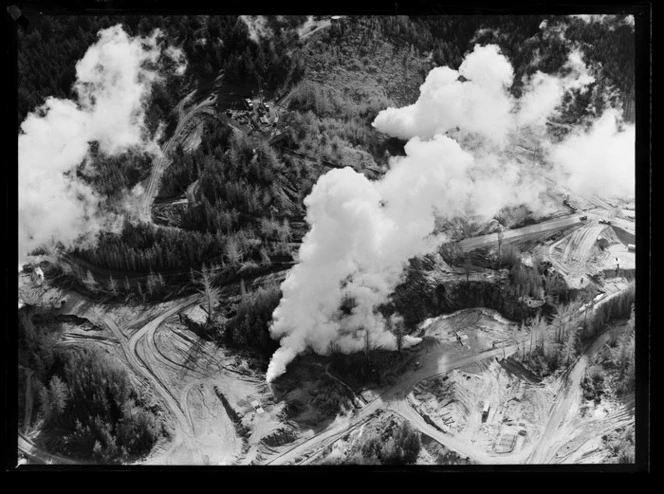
column 113, row 80
column 363, row 232
column 600, row 160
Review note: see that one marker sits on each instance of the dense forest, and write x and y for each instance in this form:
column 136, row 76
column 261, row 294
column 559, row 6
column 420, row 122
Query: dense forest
column 52, row 44
column 86, row 399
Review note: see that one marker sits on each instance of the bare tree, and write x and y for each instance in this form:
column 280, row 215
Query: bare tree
column 211, row 294
column 112, row 285
column 233, row 251
column 90, row 282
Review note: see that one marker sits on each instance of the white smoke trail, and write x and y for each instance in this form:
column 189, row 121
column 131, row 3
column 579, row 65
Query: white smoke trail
column 113, row 81
column 363, row 232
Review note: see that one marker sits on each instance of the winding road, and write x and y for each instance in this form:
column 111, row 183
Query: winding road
column 163, row 160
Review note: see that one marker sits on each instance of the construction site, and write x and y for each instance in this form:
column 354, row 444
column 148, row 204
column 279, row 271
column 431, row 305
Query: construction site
column 515, row 351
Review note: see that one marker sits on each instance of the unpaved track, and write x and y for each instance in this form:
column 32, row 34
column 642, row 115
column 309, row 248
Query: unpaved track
column 460, row 446
column 531, row 231
column 143, row 368
column 38, row 455
column 433, row 364
column 164, row 160
column 558, row 430
column 565, row 407
column 185, row 430
column 572, row 253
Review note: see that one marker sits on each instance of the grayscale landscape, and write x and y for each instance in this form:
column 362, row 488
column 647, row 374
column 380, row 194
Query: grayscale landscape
column 326, row 240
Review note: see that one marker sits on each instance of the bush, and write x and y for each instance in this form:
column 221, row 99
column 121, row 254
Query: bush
column 397, row 445
column 593, row 384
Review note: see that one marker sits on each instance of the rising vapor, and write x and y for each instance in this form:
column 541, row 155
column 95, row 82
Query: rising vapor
column 600, row 160
column 362, row 232
column 113, row 81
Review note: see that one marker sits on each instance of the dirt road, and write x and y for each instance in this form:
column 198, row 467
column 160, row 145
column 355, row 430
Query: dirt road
column 559, row 427
column 572, row 254
column 520, row 234
column 433, row 363
column 463, row 448
column 143, row 366
column 163, row 160
column 36, row 455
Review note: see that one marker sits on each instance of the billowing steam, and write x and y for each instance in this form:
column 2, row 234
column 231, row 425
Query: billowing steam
column 113, row 80
column 599, row 161
column 363, row 232
column 544, row 92
column 479, row 104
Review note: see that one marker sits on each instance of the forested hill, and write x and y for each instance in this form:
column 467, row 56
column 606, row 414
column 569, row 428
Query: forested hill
column 51, row 46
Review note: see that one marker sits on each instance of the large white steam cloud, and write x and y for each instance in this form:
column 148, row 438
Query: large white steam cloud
column 113, row 81
column 600, row 160
column 480, row 104
column 363, row 232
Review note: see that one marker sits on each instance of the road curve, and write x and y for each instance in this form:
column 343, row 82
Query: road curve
column 433, row 364
column 36, row 455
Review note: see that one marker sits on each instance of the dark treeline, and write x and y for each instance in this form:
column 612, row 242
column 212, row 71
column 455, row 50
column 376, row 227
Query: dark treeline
column 49, row 50
column 249, row 325
column 142, row 247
